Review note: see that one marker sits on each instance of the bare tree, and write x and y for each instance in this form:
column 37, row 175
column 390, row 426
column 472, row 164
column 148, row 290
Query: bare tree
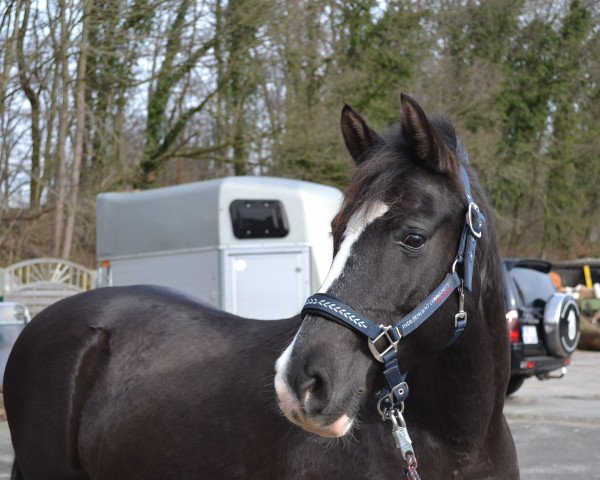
column 63, row 121
column 25, row 77
column 80, row 87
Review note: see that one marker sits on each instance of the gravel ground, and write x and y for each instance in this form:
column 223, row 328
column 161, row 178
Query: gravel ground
column 555, row 424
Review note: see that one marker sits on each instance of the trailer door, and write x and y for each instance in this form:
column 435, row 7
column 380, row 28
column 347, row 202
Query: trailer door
column 265, row 283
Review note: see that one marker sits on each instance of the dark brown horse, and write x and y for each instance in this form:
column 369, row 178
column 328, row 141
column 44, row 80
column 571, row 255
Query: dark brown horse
column 145, row 383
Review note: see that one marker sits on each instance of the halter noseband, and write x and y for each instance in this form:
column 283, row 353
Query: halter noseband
column 383, row 339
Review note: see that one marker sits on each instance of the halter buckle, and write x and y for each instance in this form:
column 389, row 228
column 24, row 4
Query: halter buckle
column 472, row 207
column 384, row 334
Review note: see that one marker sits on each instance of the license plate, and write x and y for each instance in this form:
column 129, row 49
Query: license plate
column 530, row 335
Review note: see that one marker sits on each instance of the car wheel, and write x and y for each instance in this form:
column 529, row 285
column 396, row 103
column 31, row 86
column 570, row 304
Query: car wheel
column 514, row 384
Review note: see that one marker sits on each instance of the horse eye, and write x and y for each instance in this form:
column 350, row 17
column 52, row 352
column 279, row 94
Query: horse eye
column 414, row 241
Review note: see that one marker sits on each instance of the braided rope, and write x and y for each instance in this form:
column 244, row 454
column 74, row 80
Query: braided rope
column 410, row 467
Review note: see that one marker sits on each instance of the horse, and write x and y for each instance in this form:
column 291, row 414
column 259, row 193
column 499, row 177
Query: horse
column 144, row 382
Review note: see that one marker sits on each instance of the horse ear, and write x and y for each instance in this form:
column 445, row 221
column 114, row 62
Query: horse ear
column 359, row 137
column 426, row 142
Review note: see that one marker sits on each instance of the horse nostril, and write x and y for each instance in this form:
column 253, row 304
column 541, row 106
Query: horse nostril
column 309, row 385
column 313, row 391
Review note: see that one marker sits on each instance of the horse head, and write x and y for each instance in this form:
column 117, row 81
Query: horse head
column 395, row 239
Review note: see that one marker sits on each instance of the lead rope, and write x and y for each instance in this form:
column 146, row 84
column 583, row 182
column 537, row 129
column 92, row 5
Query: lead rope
column 410, row 467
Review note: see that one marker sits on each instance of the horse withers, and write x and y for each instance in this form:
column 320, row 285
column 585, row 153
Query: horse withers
column 145, row 383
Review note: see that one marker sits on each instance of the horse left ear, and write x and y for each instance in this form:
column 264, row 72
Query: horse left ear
column 359, row 137
column 425, row 141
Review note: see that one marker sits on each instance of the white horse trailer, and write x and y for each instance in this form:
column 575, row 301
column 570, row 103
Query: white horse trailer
column 253, row 246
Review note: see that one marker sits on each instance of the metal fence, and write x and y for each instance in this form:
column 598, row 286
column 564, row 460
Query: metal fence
column 39, row 282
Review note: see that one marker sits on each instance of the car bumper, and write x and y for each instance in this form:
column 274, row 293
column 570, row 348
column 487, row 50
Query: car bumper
column 536, row 365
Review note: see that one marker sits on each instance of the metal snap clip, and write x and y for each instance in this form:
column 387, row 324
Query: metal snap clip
column 461, row 315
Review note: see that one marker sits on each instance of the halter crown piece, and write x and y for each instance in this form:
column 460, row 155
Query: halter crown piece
column 383, row 339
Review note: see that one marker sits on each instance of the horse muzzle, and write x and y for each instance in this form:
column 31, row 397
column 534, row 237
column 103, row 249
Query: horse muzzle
column 304, row 396
column 295, row 412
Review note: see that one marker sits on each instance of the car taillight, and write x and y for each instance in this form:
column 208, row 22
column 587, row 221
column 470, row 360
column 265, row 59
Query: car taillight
column 514, row 330
column 103, row 275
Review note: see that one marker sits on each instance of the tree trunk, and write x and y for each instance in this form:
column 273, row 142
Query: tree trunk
column 63, row 122
column 7, row 59
column 158, row 99
column 80, row 129
column 49, row 156
column 159, row 139
column 34, row 101
column 8, row 51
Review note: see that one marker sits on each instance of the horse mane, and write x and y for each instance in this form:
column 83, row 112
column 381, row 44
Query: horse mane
column 377, row 179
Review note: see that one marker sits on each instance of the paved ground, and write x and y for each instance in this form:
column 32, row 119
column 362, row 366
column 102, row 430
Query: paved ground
column 6, row 452
column 555, row 424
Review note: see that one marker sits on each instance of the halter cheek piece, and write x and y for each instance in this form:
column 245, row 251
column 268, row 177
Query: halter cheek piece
column 383, row 340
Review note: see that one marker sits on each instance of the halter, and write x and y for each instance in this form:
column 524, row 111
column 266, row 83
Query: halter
column 383, row 340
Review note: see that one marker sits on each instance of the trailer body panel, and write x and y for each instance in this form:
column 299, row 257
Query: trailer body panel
column 186, row 237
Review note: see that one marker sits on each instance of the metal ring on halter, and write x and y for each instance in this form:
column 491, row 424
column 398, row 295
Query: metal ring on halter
column 385, row 413
column 472, row 206
column 453, row 270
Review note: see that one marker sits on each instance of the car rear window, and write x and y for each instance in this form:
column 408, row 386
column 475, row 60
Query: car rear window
column 531, row 285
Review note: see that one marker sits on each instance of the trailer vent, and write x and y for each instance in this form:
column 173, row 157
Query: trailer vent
column 258, row 219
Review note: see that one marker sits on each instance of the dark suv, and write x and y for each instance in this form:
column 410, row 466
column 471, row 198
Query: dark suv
column 543, row 324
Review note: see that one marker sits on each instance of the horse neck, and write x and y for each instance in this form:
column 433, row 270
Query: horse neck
column 461, row 389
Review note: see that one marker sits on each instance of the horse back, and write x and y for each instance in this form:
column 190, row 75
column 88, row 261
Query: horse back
column 93, row 374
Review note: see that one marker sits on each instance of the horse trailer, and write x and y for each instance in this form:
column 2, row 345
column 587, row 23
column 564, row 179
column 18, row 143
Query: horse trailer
column 253, row 246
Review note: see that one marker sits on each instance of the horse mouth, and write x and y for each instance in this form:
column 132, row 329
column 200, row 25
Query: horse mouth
column 336, row 429
column 293, row 411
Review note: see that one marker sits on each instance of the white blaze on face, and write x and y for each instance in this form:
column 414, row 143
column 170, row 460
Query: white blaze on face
column 287, row 399
column 356, row 226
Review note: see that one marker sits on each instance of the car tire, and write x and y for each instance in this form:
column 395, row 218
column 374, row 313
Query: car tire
column 514, row 384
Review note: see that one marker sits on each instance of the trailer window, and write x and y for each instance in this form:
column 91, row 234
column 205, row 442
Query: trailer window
column 258, row 219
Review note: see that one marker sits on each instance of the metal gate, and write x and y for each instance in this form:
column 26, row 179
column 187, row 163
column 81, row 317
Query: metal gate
column 40, row 282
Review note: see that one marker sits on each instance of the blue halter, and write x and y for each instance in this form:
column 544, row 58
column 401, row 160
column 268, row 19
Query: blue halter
column 383, row 339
